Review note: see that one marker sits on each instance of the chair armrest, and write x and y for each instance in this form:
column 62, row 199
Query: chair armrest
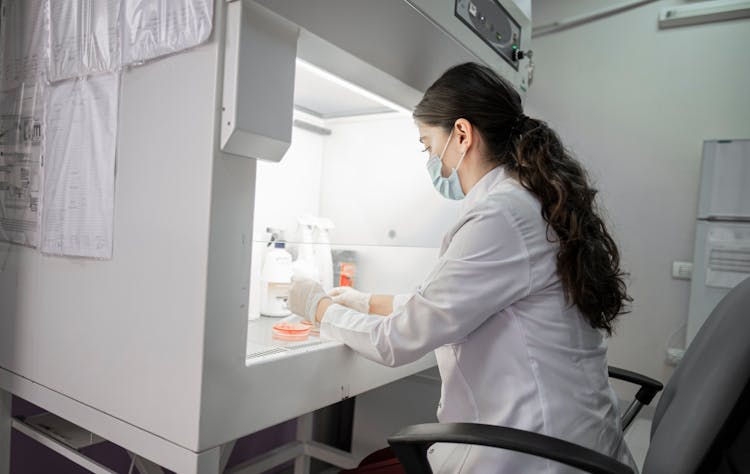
column 411, row 444
column 649, row 387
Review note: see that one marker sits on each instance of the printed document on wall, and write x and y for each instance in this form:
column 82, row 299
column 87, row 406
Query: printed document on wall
column 153, row 28
column 21, row 118
column 22, row 35
column 84, row 38
column 77, row 218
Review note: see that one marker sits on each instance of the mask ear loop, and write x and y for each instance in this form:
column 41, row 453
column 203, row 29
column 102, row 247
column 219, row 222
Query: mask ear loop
column 460, row 160
column 442, row 153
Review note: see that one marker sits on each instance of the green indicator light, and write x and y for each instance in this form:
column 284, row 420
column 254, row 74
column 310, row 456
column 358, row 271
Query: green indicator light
column 515, row 47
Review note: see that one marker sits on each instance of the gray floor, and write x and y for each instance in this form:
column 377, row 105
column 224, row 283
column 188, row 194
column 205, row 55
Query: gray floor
column 637, row 438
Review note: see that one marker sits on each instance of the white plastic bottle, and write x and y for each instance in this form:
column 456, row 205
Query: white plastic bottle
column 323, row 257
column 276, row 278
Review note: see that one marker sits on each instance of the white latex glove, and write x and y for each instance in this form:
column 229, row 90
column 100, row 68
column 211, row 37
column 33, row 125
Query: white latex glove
column 304, row 296
column 351, row 298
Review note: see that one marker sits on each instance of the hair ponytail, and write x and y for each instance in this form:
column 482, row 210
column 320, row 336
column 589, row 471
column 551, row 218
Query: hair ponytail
column 588, row 261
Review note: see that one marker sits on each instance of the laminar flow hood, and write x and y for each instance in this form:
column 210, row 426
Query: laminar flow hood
column 394, row 49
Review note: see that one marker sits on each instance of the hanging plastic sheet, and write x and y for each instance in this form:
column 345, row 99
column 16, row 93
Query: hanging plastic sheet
column 153, row 28
column 96, row 36
column 79, row 176
column 23, row 30
column 84, row 38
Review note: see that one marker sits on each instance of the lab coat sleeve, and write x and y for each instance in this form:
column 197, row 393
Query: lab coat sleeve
column 399, row 301
column 484, row 269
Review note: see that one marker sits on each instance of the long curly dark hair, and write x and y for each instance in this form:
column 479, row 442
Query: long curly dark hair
column 588, row 261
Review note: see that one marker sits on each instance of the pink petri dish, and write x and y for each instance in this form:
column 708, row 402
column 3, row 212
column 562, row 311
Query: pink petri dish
column 291, row 331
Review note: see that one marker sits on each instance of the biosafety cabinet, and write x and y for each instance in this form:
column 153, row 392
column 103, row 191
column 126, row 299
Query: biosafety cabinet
column 294, row 117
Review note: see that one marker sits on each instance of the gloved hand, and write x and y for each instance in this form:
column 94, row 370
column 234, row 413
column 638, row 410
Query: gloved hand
column 351, row 298
column 304, row 296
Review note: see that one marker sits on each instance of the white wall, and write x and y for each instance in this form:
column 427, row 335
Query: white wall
column 291, row 187
column 375, row 181
column 376, row 188
column 369, row 178
column 634, row 103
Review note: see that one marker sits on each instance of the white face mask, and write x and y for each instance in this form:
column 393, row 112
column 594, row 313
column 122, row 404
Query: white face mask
column 449, row 187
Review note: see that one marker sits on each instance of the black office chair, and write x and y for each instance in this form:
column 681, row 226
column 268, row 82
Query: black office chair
column 700, row 424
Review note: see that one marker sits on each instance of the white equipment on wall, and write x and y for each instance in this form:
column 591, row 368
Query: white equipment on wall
column 697, row 13
column 722, row 235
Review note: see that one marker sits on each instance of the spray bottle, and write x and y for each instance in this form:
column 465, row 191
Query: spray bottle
column 323, row 257
column 304, row 266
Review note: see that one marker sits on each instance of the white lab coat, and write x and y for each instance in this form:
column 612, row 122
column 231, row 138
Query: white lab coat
column 510, row 351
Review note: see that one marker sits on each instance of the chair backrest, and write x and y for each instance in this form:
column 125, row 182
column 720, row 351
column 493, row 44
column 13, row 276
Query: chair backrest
column 704, row 388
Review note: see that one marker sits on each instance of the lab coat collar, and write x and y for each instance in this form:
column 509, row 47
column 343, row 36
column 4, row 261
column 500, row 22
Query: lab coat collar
column 483, row 187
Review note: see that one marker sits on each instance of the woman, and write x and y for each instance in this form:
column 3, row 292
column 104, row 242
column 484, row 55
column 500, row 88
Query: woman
column 527, row 282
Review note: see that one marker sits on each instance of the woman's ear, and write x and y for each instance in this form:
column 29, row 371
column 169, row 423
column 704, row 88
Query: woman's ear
column 465, row 133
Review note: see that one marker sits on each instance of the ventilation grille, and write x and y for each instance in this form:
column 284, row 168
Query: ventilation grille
column 266, row 351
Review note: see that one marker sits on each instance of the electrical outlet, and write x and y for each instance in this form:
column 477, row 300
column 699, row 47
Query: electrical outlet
column 682, row 270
